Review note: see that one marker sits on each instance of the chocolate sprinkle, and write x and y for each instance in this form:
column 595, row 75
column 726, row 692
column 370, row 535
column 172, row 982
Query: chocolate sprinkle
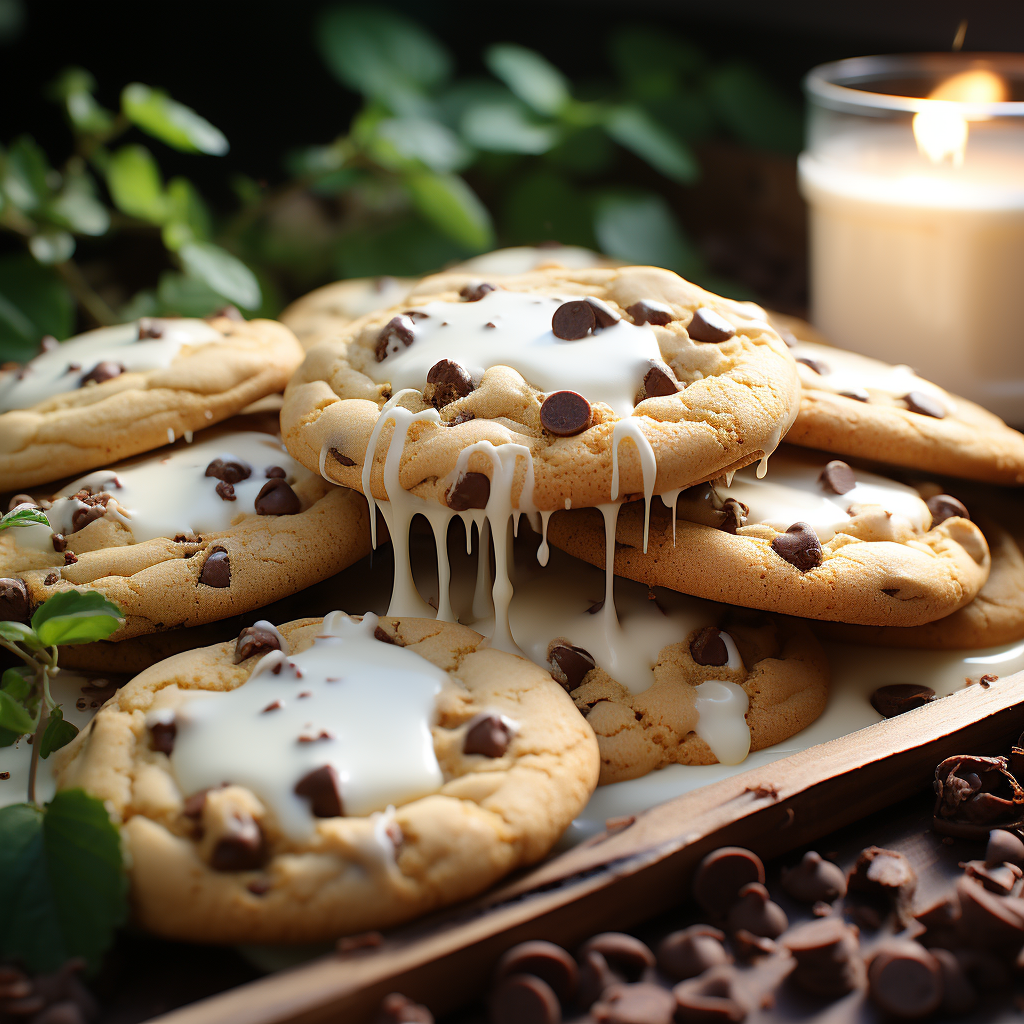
column 707, row 325
column 470, row 491
column 565, row 414
column 799, row 546
column 647, row 311
column 323, row 790
column 573, row 320
column 924, row 405
column 276, row 498
column 82, row 517
column 838, row 478
column 216, row 570
column 490, row 736
column 896, row 698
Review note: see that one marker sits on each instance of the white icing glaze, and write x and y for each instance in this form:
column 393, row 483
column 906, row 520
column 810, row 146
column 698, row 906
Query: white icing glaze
column 606, row 366
column 48, row 374
column 375, row 700
column 722, row 706
column 631, row 429
column 521, row 259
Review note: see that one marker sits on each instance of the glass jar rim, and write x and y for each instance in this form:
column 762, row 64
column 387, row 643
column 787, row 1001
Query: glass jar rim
column 835, row 85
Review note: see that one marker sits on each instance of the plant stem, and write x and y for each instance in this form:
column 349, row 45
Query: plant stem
column 15, row 649
column 95, row 306
column 37, row 742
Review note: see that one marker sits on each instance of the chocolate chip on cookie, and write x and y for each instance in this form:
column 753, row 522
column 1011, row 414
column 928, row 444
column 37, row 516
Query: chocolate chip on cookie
column 603, row 313
column 799, row 546
column 837, row 477
column 709, row 648
column 573, row 320
column 896, row 698
column 103, row 371
column 816, row 365
column 569, row 665
column 945, row 506
column 450, row 383
column 471, row 490
column 707, row 325
column 275, row 472
column 82, row 517
column 231, row 471
column 475, row 291
column 255, row 640
column 565, row 413
column 216, row 570
column 226, row 490
column 322, row 788
column 857, row 394
column 924, row 404
column 734, row 515
column 489, row 735
column 149, row 328
column 243, row 849
column 162, row 736
column 343, row 459
column 660, row 381
column 14, row 603
column 398, row 331
column 647, row 311
column 276, row 498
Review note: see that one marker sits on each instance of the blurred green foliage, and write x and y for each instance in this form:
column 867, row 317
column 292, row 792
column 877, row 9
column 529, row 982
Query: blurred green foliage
column 432, row 169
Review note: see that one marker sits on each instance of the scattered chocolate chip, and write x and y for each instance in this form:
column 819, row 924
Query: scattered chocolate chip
column 827, row 954
column 838, row 478
column 275, row 473
column 573, row 320
column 647, row 311
column 569, row 665
column 594, row 977
column 884, row 874
column 1004, row 848
column 255, row 640
column 101, row 372
column 489, row 735
column 398, row 331
column 397, row 1009
column 162, row 736
column 4, row 776
column 14, row 603
column 323, row 790
column 721, row 875
column 216, row 571
column 51, row 579
column 641, row 1003
column 857, row 394
column 690, row 952
column 230, row 472
column 243, row 849
column 603, row 313
column 799, row 546
column 274, row 705
column 974, row 795
column 624, row 954
column 986, row 920
column 707, row 325
column 814, row 879
column 712, row 997
column 945, row 506
column 959, row 996
column 276, row 498
column 491, row 325
column 475, row 291
column 896, row 698
column 660, row 381
column 450, row 383
column 1001, row 879
column 343, row 459
column 323, row 734
column 150, row 329
column 816, row 365
column 749, row 946
column 924, row 405
column 225, row 490
column 22, row 499
column 524, row 999
column 905, row 981
column 708, row 647
column 70, row 558
column 82, row 517
column 565, row 413
column 755, row 912
column 471, row 490
column 59, row 542
column 544, row 960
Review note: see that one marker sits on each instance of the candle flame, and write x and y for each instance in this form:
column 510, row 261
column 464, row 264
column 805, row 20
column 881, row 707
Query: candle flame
column 941, row 129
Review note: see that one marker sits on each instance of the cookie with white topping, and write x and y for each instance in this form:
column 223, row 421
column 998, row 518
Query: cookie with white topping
column 336, row 776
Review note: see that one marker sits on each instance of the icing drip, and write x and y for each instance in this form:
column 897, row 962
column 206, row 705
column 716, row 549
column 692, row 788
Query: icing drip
column 671, row 498
column 629, row 429
column 722, row 706
column 543, row 551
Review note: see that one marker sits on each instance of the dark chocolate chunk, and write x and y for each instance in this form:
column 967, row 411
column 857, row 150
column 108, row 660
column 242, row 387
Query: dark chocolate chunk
column 22, row 499
column 276, row 498
column 565, row 413
column 896, row 698
column 573, row 320
column 162, row 736
column 242, row 849
column 450, row 383
column 708, row 647
column 70, row 558
column 1004, row 848
column 882, row 873
column 488, row 735
column 51, row 579
column 799, row 546
column 543, row 960
column 59, row 542
column 905, row 981
column 1001, row 879
column 82, row 517
column 103, row 371
column 322, row 788
column 827, row 954
column 755, row 912
column 603, row 313
column 707, row 325
column 624, row 954
column 14, row 603
column 814, row 880
column 925, row 404
column 647, row 311
column 569, row 665
column 816, row 365
column 255, row 640
column 660, row 381
column 343, row 459
column 721, row 875
column 945, row 506
column 231, row 472
column 711, row 998
column 149, row 328
column 398, row 331
column 524, row 999
column 641, row 1003
column 226, row 491
column 275, row 473
column 974, row 795
column 838, row 478
column 216, row 570
column 397, row 1009
column 471, row 490
column 475, row 291
column 690, row 952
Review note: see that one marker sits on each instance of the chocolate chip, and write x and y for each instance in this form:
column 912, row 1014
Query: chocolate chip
column 660, row 381
column 150, row 329
column 243, row 849
column 755, row 912
column 896, row 698
column 471, row 490
column 59, row 542
column 816, row 365
column 1004, row 848
column 690, row 952
column 450, row 383
column 343, row 459
column 734, row 515
column 489, row 735
column 162, row 736
column 814, row 879
column 322, row 788
column 827, row 955
column 274, row 705
column 642, row 1003
column 799, row 546
column 603, row 313
column 905, row 981
column 838, row 478
column 712, row 997
column 986, row 920
column 216, row 570
column 524, row 999
column 462, row 417
column 255, row 640
column 647, row 311
column 959, row 996
column 924, row 404
column 975, row 794
column 882, row 873
column 70, row 558
column 707, row 325
column 275, row 473
column 857, row 394
column 82, row 517
column 945, row 506
column 624, row 954
column 569, row 665
column 51, row 579
column 475, row 291
column 230, row 472
column 101, row 372
column 398, row 331
column 543, row 960
column 565, row 413
column 749, row 946
column 1001, row 879
column 573, row 320
column 225, row 490
column 22, row 499
column 397, row 1009
column 708, row 647
column 721, row 875
column 595, row 976
column 276, row 498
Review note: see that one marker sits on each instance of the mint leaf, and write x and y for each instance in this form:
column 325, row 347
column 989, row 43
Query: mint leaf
column 453, row 207
column 62, row 884
column 632, row 127
column 75, row 618
column 532, row 78
column 57, row 733
column 171, row 122
column 19, row 516
column 136, row 187
column 13, row 716
column 224, row 273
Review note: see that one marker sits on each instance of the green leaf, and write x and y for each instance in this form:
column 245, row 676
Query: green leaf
column 506, row 128
column 57, row 733
column 402, row 143
column 14, row 682
column 642, row 230
column 754, row 109
column 544, row 206
column 33, row 302
column 52, row 246
column 633, row 127
column 26, row 175
column 409, row 248
column 135, row 184
column 75, row 88
column 171, row 122
column 74, row 617
column 62, row 884
column 19, row 633
column 533, row 79
column 78, row 209
column 178, row 294
column 13, row 716
column 653, row 63
column 453, row 206
column 142, row 303
column 19, row 516
column 224, row 273
column 187, row 206
column 586, row 152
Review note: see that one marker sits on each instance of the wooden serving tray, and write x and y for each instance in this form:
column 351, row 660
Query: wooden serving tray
column 637, row 869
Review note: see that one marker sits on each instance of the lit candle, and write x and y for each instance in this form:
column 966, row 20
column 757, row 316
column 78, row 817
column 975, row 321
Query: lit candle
column 914, row 173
